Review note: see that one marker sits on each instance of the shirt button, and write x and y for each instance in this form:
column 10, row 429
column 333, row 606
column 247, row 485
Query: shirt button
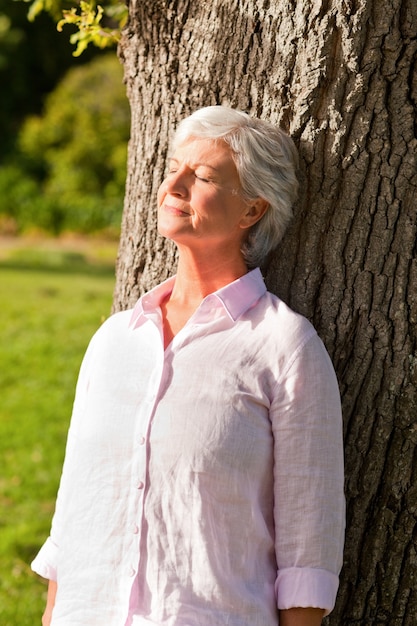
column 131, row 572
column 141, row 440
column 141, row 485
column 135, row 530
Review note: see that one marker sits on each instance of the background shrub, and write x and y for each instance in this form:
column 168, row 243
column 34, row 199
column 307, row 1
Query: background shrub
column 71, row 169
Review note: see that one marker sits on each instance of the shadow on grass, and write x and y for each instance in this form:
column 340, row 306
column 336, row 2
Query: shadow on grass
column 56, row 261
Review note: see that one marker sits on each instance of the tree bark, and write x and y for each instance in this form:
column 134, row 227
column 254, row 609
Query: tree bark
column 340, row 76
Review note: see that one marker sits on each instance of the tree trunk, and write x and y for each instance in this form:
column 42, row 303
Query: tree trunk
column 340, row 76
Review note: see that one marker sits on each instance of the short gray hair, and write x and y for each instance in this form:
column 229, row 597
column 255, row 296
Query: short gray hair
column 266, row 160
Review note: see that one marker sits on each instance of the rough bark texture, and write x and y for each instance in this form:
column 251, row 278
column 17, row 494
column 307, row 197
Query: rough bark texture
column 341, row 77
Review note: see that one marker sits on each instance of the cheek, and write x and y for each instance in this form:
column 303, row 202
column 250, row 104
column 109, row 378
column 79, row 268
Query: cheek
column 161, row 193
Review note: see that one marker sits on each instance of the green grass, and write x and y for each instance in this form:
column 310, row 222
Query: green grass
column 51, row 302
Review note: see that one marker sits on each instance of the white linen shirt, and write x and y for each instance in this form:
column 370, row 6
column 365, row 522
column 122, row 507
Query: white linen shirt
column 203, row 484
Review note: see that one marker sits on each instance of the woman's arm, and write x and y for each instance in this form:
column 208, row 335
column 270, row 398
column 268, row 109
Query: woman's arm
column 50, row 603
column 308, row 475
column 301, row 617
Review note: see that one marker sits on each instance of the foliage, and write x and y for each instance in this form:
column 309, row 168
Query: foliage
column 72, row 166
column 88, row 20
column 33, row 57
column 49, row 313
column 95, row 23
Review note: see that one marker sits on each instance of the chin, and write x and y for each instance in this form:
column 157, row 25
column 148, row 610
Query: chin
column 166, row 231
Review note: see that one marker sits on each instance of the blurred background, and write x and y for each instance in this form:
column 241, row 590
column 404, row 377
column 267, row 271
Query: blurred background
column 64, row 127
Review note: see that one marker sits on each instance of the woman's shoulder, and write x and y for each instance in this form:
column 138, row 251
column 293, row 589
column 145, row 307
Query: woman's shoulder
column 277, row 328
column 113, row 325
column 278, row 313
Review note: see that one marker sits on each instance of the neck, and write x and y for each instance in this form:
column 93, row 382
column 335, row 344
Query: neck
column 197, row 277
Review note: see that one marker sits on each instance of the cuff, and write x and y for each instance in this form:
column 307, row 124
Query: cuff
column 306, row 587
column 44, row 563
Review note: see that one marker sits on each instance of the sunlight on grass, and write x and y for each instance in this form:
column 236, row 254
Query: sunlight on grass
column 51, row 305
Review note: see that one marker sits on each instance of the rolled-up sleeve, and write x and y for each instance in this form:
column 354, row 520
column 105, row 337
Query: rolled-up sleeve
column 309, row 505
column 44, row 563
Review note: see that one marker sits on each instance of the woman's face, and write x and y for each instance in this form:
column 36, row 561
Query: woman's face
column 200, row 201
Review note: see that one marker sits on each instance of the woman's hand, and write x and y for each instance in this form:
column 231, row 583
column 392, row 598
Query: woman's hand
column 50, row 603
column 301, row 617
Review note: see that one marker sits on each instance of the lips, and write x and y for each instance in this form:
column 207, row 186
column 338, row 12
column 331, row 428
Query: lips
column 173, row 210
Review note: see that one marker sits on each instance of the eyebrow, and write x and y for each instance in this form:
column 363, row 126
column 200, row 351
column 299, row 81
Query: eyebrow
column 199, row 164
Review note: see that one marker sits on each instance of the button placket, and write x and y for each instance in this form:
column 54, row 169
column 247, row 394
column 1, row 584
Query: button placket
column 146, row 410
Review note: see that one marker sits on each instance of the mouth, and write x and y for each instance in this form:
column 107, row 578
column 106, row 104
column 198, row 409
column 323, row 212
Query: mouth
column 174, row 210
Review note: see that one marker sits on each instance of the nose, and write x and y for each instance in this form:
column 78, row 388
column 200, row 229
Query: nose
column 176, row 183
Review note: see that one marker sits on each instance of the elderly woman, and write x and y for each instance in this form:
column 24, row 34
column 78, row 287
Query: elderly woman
column 203, row 479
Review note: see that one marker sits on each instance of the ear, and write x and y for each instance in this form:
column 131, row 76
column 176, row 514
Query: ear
column 255, row 210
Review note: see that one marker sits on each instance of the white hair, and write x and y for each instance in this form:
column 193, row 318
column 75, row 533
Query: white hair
column 266, row 160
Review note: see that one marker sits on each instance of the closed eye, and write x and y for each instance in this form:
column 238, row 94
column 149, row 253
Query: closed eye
column 204, row 180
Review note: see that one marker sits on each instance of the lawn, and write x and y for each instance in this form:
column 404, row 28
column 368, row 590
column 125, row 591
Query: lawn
column 53, row 297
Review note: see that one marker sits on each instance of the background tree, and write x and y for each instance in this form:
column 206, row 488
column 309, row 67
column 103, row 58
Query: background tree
column 77, row 151
column 68, row 168
column 33, row 57
column 340, row 76
column 64, row 168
